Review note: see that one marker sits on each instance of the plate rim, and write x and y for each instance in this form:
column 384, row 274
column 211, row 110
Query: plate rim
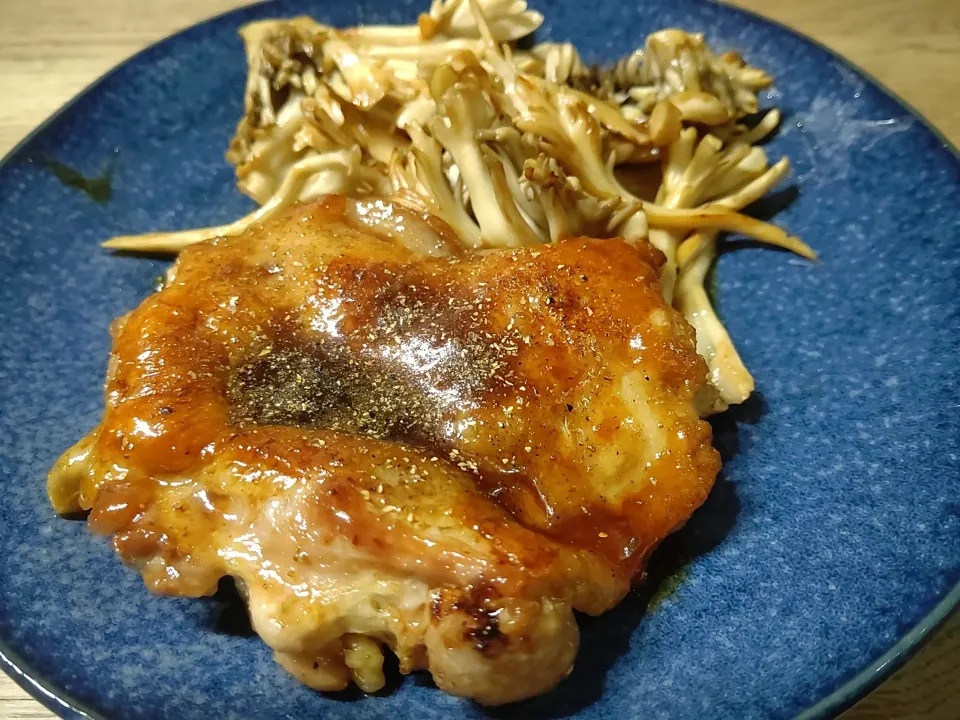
column 844, row 696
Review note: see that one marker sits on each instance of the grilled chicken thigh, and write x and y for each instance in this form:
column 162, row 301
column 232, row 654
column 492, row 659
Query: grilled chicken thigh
column 391, row 445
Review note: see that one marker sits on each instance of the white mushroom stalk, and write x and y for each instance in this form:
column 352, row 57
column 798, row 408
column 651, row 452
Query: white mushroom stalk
column 312, row 177
column 705, row 176
column 728, row 375
column 510, row 147
column 508, row 20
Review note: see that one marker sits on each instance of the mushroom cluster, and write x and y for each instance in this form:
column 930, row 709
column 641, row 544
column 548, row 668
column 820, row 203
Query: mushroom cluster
column 513, row 147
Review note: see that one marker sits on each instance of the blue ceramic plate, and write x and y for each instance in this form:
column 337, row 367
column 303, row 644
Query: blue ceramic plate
column 827, row 550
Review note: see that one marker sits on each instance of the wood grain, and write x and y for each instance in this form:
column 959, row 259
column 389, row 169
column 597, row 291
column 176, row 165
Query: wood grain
column 52, row 49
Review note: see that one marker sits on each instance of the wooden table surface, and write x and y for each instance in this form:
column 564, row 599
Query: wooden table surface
column 51, row 49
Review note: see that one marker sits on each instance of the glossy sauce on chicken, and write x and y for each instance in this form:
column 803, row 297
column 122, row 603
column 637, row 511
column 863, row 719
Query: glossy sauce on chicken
column 386, row 443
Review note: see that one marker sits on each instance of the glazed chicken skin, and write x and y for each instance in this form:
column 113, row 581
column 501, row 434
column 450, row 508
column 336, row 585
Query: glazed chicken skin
column 388, row 444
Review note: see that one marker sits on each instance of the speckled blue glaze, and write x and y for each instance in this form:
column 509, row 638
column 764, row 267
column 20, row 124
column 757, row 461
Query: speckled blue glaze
column 833, row 533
